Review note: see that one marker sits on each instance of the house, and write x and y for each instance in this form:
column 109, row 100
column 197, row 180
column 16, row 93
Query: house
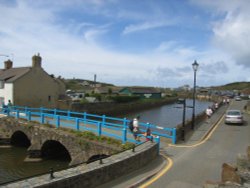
column 143, row 92
column 30, row 86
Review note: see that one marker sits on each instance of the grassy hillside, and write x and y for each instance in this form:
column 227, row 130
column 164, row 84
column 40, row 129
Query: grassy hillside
column 76, row 84
column 234, row 86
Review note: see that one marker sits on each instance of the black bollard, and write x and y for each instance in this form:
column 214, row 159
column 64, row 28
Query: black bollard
column 133, row 149
column 51, row 173
column 100, row 161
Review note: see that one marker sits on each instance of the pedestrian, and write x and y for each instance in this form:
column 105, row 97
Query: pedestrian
column 136, row 130
column 148, row 135
column 9, row 103
column 209, row 113
column 216, row 105
column 228, row 100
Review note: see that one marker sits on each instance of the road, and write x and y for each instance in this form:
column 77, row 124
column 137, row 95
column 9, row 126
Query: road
column 193, row 166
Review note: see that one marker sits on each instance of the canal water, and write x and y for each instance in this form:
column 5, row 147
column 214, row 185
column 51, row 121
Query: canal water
column 12, row 166
column 170, row 115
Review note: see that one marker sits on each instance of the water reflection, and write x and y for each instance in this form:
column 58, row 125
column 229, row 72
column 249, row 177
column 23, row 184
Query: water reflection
column 12, row 165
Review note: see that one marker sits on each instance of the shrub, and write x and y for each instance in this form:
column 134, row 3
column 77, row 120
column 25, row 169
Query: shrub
column 123, row 99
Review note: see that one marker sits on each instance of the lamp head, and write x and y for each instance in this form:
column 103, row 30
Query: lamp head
column 195, row 65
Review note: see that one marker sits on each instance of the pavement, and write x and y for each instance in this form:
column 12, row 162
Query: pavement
column 141, row 176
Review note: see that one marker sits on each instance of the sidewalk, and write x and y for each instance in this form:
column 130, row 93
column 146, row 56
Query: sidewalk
column 137, row 178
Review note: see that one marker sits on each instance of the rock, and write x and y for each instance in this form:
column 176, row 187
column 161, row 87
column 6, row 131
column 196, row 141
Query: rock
column 242, row 162
column 229, row 174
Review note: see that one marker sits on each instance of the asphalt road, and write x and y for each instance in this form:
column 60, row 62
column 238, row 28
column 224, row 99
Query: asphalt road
column 193, row 166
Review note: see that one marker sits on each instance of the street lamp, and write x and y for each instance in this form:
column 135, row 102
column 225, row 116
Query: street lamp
column 195, row 66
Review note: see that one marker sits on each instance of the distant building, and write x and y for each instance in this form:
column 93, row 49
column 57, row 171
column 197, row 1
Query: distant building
column 30, row 86
column 143, row 92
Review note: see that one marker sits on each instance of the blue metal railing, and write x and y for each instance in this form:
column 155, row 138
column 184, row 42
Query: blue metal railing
column 99, row 124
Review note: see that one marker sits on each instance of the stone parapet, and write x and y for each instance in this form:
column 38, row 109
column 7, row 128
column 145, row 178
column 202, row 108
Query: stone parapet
column 96, row 173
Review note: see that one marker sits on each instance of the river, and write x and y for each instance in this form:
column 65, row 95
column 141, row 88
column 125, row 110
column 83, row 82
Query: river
column 12, row 166
column 169, row 115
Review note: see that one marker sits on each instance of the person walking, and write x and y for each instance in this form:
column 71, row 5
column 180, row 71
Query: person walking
column 136, row 129
column 148, row 135
column 209, row 113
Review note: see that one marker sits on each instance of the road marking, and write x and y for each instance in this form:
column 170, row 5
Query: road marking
column 203, row 140
column 169, row 160
column 167, row 167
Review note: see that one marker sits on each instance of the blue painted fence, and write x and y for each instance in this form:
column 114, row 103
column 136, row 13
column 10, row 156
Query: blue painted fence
column 101, row 125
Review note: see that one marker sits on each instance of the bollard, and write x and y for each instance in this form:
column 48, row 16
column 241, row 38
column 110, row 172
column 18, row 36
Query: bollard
column 51, row 173
column 100, row 161
column 133, row 149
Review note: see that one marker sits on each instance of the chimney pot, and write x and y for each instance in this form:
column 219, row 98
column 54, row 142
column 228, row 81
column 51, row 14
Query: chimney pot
column 8, row 64
column 36, row 60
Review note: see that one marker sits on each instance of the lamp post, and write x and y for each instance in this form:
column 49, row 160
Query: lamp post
column 195, row 66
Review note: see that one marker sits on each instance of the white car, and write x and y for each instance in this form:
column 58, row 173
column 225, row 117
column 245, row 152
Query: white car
column 234, row 117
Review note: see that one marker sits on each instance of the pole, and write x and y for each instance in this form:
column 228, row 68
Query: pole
column 193, row 116
column 183, row 120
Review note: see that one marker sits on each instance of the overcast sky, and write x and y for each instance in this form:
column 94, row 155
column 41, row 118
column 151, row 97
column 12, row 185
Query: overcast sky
column 131, row 42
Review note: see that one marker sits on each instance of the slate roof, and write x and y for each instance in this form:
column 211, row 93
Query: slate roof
column 12, row 74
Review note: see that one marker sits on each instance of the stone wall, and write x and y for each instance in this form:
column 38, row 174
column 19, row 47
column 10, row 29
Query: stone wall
column 114, row 109
column 96, row 173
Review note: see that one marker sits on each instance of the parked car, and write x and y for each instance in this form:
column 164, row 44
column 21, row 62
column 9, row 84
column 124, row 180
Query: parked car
column 234, row 117
column 238, row 98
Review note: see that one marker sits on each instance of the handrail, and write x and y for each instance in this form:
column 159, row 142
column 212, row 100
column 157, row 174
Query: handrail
column 101, row 124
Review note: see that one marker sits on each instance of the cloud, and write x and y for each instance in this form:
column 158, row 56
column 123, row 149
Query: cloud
column 231, row 29
column 144, row 26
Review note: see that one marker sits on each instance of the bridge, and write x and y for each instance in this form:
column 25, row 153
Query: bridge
column 46, row 132
column 100, row 125
column 49, row 141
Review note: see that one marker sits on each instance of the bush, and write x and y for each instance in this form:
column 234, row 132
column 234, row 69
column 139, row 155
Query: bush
column 123, row 99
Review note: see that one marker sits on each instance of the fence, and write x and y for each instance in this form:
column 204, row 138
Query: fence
column 117, row 128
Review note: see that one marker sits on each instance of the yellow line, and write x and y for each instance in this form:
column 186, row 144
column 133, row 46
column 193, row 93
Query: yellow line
column 169, row 160
column 168, row 166
column 201, row 141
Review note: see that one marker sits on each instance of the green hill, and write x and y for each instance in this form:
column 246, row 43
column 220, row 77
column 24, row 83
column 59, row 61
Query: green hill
column 234, row 86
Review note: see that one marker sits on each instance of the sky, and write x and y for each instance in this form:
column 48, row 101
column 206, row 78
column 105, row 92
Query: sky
column 130, row 42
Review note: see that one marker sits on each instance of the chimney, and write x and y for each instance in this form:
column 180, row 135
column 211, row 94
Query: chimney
column 36, row 61
column 8, row 64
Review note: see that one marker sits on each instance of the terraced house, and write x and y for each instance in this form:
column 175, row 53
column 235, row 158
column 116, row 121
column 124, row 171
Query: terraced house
column 29, row 86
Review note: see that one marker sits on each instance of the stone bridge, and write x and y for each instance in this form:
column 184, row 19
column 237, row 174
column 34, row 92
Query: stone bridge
column 48, row 142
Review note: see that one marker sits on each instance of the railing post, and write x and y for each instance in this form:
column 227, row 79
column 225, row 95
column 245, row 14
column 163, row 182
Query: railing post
column 42, row 119
column 103, row 120
column 17, row 114
column 29, row 116
column 157, row 140
column 124, row 131
column 99, row 129
column 84, row 117
column 77, row 124
column 55, row 111
column 57, row 121
column 124, row 135
column 26, row 110
column 41, row 110
column 174, row 136
column 124, row 122
column 68, row 114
